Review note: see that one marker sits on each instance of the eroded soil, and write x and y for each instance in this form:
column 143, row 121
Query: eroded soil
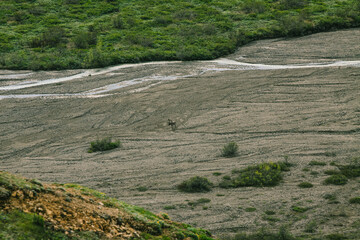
column 308, row 114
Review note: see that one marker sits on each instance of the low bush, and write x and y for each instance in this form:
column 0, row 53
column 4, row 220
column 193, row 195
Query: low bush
column 199, row 201
column 293, row 4
column 230, row 150
column 316, row 163
column 103, row 145
column 332, row 172
column 84, row 39
column 195, row 184
column 264, row 234
column 311, row 227
column 256, row 6
column 50, row 38
column 336, row 236
column 337, row 179
column 305, row 185
column 299, row 209
column 142, row 189
column 350, row 171
column 261, row 175
column 355, row 200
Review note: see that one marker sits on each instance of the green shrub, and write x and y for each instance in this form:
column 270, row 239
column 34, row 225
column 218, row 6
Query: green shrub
column 355, row 200
column 350, row 171
column 118, row 22
column 84, row 39
column 250, row 209
column 293, row 4
column 330, row 196
column 332, row 172
column 195, row 184
column 50, row 38
column 305, row 185
column 270, row 212
column 170, row 207
column 256, row 6
column 38, row 220
column 299, row 209
column 142, row 189
column 311, row 227
column 264, row 234
column 316, row 163
column 103, row 145
column 337, row 179
column 336, row 236
column 199, row 201
column 230, row 150
column 265, row 174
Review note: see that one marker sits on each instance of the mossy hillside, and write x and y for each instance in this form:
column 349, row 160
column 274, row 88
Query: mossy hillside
column 11, row 182
column 15, row 224
column 68, row 34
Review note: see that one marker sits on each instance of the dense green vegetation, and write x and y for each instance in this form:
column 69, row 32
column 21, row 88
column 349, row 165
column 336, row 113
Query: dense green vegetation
column 195, row 184
column 261, row 175
column 103, row 145
column 60, row 34
column 230, row 150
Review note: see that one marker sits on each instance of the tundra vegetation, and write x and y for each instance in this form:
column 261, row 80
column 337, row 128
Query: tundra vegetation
column 104, row 144
column 19, row 221
column 69, row 34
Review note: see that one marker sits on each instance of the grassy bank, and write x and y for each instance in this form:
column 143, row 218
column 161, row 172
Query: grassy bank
column 67, row 34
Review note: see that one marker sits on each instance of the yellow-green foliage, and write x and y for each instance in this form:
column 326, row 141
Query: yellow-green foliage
column 264, row 174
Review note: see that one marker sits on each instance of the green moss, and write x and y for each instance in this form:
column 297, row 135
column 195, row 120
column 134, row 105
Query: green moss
column 12, row 182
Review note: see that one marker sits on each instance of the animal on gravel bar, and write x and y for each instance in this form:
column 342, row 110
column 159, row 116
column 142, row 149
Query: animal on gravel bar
column 172, row 124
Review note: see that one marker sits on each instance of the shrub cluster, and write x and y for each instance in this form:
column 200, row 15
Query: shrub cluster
column 345, row 172
column 355, row 200
column 305, row 185
column 264, row 234
column 50, row 38
column 103, row 145
column 195, row 184
column 337, row 179
column 261, row 175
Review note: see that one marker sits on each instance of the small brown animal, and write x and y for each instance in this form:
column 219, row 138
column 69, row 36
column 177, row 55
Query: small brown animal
column 172, row 124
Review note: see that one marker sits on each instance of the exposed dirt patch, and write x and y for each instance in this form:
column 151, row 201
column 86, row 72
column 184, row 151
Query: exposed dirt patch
column 307, row 114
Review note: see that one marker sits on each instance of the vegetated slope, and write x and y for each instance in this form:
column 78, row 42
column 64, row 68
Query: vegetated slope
column 94, row 33
column 32, row 210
